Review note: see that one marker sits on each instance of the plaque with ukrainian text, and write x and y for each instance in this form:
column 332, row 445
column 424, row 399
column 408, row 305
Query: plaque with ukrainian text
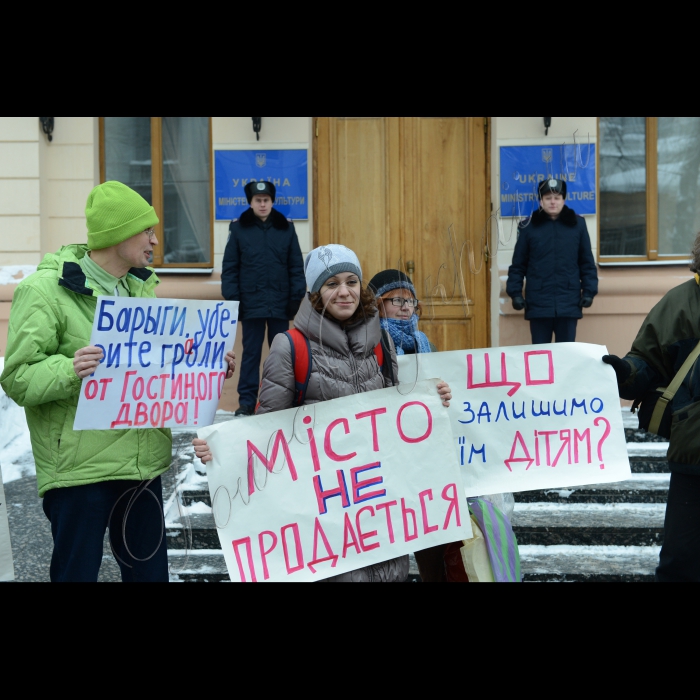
column 523, row 168
column 287, row 170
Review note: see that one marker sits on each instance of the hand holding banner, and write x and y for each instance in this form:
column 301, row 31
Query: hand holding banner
column 164, row 363
column 312, row 493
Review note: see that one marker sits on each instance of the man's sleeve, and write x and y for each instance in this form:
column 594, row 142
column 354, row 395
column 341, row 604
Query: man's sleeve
column 642, row 380
column 231, row 269
column 34, row 373
column 516, row 274
column 586, row 262
column 295, row 263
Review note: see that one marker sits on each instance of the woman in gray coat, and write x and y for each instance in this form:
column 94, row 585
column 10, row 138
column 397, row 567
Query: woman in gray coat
column 339, row 318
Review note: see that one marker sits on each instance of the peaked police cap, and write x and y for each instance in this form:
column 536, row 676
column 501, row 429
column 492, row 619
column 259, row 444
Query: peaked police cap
column 253, row 188
column 553, row 185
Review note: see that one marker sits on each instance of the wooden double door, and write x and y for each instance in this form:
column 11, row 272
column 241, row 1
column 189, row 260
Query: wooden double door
column 412, row 193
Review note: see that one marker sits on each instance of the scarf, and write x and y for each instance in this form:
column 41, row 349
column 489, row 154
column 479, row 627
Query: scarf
column 406, row 335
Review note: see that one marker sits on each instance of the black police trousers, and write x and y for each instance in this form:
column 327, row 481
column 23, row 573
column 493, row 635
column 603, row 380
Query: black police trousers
column 544, row 329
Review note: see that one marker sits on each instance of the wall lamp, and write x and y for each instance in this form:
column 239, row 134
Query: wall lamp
column 257, row 126
column 47, row 124
column 547, row 124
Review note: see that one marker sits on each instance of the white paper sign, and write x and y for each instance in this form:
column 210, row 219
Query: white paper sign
column 7, row 570
column 308, row 494
column 164, row 364
column 530, row 418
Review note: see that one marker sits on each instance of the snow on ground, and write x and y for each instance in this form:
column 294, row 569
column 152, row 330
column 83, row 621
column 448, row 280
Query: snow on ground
column 624, row 561
column 14, row 274
column 16, row 456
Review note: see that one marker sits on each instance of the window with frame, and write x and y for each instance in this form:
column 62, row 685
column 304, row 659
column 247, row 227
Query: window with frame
column 649, row 180
column 168, row 160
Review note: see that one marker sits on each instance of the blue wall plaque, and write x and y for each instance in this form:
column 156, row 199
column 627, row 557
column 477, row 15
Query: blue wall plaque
column 287, row 170
column 524, row 167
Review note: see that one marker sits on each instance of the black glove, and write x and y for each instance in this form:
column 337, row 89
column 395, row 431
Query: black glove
column 621, row 367
column 518, row 303
column 586, row 302
column 293, row 309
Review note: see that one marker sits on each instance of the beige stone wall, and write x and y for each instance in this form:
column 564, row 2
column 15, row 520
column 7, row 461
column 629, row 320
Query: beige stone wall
column 69, row 171
column 20, row 191
column 20, row 207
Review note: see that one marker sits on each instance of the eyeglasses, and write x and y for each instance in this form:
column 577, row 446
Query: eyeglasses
column 151, row 233
column 398, row 301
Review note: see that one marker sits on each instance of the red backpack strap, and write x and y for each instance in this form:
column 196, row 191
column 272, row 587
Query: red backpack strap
column 379, row 354
column 301, row 361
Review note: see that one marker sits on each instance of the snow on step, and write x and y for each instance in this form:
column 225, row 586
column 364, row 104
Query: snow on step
column 593, row 515
column 589, row 561
column 639, row 482
column 197, row 564
column 653, row 450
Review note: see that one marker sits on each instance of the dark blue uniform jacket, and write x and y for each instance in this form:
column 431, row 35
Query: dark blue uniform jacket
column 556, row 259
column 263, row 267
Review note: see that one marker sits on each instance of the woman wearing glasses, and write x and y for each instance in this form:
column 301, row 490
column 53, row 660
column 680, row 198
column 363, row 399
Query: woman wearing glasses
column 399, row 311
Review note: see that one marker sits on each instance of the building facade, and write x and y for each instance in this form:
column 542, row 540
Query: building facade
column 438, row 197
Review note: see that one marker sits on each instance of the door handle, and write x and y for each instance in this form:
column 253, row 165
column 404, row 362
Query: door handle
column 411, row 268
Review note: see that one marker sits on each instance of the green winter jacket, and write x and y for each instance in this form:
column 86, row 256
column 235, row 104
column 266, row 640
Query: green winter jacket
column 51, row 319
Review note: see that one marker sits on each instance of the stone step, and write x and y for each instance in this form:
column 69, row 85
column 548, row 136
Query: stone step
column 614, row 524
column 642, row 488
column 192, row 495
column 565, row 564
column 198, row 566
column 561, row 564
column 193, row 532
column 651, row 466
column 639, row 436
column 648, row 458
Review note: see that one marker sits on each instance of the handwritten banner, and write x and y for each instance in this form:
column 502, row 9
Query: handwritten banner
column 164, row 365
column 530, row 418
column 7, row 570
column 308, row 494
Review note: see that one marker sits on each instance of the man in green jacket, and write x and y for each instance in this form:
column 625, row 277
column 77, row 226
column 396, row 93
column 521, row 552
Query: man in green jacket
column 98, row 480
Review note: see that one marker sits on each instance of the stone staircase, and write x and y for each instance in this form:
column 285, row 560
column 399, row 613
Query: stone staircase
column 607, row 533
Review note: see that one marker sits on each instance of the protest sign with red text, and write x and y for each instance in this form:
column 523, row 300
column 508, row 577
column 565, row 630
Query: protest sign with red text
column 530, row 418
column 308, row 494
column 164, row 363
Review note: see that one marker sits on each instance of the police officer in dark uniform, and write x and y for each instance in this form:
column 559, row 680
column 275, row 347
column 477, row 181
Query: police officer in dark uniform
column 554, row 255
column 264, row 270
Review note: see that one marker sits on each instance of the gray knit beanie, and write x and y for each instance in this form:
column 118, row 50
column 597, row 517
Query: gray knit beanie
column 328, row 261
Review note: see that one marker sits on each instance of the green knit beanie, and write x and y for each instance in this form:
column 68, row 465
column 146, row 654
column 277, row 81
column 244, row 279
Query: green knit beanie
column 116, row 213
